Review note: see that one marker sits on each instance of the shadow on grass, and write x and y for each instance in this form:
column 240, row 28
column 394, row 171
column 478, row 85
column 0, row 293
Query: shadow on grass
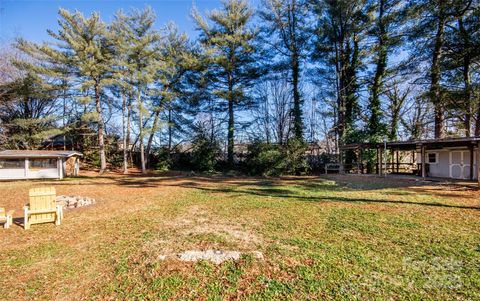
column 287, row 194
column 19, row 221
column 275, row 187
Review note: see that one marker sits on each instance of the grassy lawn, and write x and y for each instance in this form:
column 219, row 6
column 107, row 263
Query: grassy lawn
column 342, row 238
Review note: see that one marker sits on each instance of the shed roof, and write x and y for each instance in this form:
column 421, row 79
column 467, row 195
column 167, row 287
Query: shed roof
column 37, row 154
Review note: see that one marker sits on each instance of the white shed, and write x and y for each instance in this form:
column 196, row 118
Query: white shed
column 38, row 164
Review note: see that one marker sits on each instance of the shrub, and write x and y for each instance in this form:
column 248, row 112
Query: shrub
column 274, row 160
column 205, row 152
column 295, row 159
column 163, row 159
column 264, row 159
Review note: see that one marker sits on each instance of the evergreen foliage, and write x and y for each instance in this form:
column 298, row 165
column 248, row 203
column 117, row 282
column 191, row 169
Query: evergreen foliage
column 128, row 91
column 205, row 151
column 27, row 113
column 268, row 159
column 287, row 32
column 231, row 54
column 83, row 52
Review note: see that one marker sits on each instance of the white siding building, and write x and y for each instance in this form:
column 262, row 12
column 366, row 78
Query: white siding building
column 452, row 162
column 38, row 164
column 450, row 158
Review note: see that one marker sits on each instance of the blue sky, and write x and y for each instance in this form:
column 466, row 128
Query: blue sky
column 31, row 18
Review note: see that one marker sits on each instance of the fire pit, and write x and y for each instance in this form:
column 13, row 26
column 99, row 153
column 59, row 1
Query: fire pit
column 70, row 202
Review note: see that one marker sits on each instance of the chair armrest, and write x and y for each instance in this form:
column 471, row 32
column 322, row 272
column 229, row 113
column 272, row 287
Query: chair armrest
column 42, row 211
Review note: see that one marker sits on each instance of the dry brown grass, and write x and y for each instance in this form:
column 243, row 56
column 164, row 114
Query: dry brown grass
column 111, row 249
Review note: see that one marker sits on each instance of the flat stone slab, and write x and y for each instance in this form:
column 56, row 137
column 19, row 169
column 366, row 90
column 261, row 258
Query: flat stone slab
column 215, row 256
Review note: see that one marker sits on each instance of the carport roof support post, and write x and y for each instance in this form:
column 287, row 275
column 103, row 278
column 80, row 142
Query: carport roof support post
column 478, row 164
column 471, row 152
column 423, row 161
column 26, row 167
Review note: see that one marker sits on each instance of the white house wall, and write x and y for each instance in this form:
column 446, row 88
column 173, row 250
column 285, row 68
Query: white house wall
column 47, row 173
column 12, row 174
column 26, row 173
column 441, row 169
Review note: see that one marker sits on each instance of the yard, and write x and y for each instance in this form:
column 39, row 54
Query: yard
column 340, row 237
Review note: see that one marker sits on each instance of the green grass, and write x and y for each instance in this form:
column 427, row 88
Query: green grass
column 320, row 239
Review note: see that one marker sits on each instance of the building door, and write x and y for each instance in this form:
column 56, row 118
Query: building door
column 460, row 164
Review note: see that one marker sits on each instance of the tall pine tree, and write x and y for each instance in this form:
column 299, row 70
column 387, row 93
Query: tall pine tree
column 83, row 51
column 141, row 62
column 430, row 18
column 231, row 50
column 388, row 18
column 341, row 26
column 287, row 32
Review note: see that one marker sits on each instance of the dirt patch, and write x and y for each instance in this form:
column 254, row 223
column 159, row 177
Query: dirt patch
column 200, row 234
column 198, row 221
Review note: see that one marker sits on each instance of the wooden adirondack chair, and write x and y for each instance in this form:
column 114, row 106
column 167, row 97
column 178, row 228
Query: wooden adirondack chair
column 43, row 207
column 6, row 218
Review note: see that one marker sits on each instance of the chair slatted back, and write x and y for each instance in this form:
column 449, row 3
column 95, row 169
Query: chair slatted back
column 43, row 198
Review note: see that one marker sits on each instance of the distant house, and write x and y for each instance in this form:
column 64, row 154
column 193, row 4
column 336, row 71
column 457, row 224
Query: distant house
column 38, row 164
column 58, row 142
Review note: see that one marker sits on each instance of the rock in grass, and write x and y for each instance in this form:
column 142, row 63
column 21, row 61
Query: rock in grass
column 215, row 256
column 71, row 202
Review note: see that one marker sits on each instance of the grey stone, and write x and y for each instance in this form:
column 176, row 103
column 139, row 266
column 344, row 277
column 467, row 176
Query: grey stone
column 215, row 256
column 258, row 255
column 71, row 202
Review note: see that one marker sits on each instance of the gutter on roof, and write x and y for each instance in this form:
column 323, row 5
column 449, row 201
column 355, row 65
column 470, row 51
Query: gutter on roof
column 40, row 155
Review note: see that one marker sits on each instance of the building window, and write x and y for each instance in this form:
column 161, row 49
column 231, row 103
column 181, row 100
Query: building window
column 42, row 163
column 432, row 158
column 12, row 164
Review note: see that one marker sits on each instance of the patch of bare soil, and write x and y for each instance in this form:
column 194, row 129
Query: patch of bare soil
column 197, row 221
column 199, row 234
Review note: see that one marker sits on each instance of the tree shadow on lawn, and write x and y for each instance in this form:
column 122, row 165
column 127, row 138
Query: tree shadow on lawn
column 288, row 194
column 310, row 183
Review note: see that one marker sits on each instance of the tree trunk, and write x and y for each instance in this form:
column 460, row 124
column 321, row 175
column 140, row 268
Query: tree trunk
column 231, row 117
column 374, row 125
column 297, row 106
column 267, row 121
column 231, row 127
column 152, row 134
column 467, row 89
column 124, row 132
column 101, row 128
column 212, row 120
column 466, row 78
column 477, row 122
column 394, row 125
column 339, row 110
column 170, row 130
column 140, row 117
column 435, row 75
column 129, row 117
column 351, row 83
